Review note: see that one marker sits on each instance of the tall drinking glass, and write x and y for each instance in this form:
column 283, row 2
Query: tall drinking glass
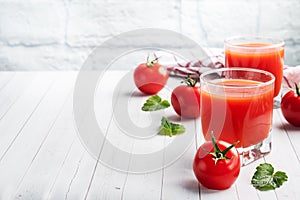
column 259, row 53
column 237, row 105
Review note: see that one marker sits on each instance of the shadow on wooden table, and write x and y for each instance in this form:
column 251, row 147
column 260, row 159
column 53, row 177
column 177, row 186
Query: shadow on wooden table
column 285, row 126
column 191, row 185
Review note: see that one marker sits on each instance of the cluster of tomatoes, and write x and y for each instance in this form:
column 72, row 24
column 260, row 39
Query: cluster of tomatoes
column 151, row 77
column 217, row 163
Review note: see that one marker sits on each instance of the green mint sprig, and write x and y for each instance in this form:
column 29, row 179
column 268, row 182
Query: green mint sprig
column 168, row 128
column 155, row 103
column 265, row 179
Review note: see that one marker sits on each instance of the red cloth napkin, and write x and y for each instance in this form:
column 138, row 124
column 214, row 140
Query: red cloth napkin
column 291, row 75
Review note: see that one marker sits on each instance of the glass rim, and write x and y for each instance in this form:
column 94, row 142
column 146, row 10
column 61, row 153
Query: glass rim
column 277, row 42
column 260, row 84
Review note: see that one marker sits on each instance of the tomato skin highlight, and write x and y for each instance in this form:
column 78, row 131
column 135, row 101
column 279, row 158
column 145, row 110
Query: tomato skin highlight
column 150, row 79
column 290, row 107
column 186, row 101
column 220, row 175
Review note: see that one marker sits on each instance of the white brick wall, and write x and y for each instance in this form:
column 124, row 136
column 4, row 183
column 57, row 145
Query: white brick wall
column 59, row 34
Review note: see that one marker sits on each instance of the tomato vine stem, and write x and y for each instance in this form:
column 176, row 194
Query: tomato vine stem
column 152, row 62
column 190, row 82
column 217, row 153
column 297, row 90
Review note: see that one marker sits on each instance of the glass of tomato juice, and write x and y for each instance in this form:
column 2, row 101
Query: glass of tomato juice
column 237, row 105
column 257, row 52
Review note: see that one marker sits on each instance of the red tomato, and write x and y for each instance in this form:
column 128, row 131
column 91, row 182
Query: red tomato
column 185, row 100
column 214, row 172
column 290, row 107
column 150, row 77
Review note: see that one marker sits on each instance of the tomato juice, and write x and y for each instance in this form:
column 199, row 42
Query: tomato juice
column 262, row 56
column 237, row 111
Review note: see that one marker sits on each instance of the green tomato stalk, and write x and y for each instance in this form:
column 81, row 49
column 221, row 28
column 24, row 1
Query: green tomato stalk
column 152, row 62
column 297, row 89
column 190, row 82
column 217, row 153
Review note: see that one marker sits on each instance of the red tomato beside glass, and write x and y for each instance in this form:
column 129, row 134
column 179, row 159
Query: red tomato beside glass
column 220, row 174
column 185, row 100
column 290, row 107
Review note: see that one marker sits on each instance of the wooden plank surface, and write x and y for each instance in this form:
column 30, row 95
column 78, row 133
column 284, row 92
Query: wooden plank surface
column 42, row 156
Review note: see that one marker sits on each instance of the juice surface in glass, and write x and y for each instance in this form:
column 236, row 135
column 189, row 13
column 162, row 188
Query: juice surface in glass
column 246, row 118
column 259, row 56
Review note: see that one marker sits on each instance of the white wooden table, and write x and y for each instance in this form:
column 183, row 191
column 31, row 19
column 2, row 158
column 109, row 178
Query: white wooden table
column 41, row 156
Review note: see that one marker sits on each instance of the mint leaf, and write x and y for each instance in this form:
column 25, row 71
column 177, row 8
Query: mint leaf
column 155, row 103
column 265, row 179
column 279, row 178
column 169, row 128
